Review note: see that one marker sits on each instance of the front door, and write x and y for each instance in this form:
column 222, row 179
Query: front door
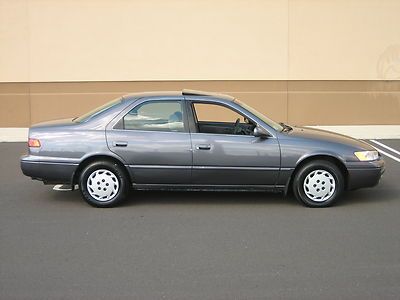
column 153, row 139
column 225, row 152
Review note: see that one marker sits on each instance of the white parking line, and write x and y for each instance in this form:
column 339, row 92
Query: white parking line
column 387, row 154
column 385, row 146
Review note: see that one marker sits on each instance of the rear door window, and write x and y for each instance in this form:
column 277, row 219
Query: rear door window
column 156, row 116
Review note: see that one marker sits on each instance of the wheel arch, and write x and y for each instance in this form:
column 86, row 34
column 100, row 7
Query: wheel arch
column 327, row 157
column 96, row 157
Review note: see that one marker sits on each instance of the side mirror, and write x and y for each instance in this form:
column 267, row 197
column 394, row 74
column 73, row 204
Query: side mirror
column 260, row 132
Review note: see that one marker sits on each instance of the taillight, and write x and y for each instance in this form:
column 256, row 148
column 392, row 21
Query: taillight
column 34, row 143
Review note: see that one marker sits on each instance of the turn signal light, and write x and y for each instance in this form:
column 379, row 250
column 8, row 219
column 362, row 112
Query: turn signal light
column 34, row 143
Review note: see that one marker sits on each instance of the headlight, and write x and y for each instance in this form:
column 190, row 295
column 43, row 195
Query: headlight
column 367, row 155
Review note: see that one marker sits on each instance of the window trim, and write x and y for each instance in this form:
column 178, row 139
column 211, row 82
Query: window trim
column 195, row 120
column 149, row 101
column 218, row 104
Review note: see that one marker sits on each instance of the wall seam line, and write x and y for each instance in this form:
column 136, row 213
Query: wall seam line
column 288, row 61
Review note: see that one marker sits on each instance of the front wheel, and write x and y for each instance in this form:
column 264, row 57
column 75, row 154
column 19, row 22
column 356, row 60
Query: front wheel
column 103, row 184
column 318, row 183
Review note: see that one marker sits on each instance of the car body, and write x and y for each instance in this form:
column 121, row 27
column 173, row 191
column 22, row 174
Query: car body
column 158, row 141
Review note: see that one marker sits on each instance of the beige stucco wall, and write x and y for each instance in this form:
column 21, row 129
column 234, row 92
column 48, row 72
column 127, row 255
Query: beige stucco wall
column 120, row 40
column 344, row 39
column 313, row 62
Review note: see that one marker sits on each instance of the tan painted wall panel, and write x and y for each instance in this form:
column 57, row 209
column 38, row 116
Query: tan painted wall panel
column 228, row 86
column 157, row 40
column 272, row 104
column 14, row 105
column 14, row 41
column 264, row 95
column 344, row 39
column 103, row 40
column 344, row 85
column 343, row 108
column 296, row 102
column 14, row 88
column 57, row 106
column 325, row 102
column 14, row 110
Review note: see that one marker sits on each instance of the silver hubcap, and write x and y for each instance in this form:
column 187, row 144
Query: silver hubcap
column 102, row 185
column 319, row 185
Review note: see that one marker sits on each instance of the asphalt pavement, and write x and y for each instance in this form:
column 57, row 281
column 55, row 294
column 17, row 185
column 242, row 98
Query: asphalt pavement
column 197, row 245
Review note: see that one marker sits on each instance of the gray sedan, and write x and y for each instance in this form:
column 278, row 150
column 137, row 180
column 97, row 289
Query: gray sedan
column 192, row 140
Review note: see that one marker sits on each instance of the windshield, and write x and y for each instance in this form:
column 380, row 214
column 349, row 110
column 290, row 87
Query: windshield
column 259, row 115
column 97, row 110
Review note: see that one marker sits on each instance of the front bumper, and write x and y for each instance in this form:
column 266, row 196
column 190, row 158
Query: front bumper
column 364, row 174
column 48, row 171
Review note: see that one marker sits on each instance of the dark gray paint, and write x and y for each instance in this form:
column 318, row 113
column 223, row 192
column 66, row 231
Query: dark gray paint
column 171, row 160
column 233, row 159
column 154, row 157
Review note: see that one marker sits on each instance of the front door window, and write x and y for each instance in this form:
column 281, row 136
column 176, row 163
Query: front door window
column 218, row 119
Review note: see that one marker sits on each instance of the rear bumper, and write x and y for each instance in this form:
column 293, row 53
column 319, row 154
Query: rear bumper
column 48, row 172
column 365, row 174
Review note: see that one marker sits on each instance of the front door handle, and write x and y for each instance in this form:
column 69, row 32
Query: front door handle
column 203, row 147
column 120, row 144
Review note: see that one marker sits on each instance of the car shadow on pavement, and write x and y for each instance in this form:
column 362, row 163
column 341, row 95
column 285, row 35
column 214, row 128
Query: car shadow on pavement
column 206, row 198
column 185, row 198
column 134, row 198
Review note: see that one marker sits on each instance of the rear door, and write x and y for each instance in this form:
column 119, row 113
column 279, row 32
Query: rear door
column 221, row 157
column 153, row 140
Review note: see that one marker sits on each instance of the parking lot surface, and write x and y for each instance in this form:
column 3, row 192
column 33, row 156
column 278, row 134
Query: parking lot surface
column 188, row 245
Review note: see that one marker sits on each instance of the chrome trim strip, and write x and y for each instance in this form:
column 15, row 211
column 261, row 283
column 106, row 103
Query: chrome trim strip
column 231, row 135
column 203, row 167
column 159, row 167
column 189, row 133
column 235, row 168
column 287, row 169
column 147, row 131
column 179, row 185
column 49, row 163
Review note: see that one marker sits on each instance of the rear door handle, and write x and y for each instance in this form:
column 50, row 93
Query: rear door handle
column 203, row 147
column 120, row 144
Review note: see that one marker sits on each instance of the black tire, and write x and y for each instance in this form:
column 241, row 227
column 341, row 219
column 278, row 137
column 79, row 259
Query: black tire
column 113, row 176
column 307, row 189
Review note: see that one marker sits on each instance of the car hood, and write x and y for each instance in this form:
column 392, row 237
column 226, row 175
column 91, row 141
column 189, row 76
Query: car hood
column 53, row 123
column 327, row 136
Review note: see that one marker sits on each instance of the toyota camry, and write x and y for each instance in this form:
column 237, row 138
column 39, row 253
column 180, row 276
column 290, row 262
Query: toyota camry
column 193, row 140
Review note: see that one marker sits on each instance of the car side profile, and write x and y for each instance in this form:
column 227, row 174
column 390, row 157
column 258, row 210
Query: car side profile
column 193, row 140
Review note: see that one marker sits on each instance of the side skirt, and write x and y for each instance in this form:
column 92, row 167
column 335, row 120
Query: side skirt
column 214, row 188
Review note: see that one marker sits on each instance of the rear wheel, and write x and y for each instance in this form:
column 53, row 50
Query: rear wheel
column 318, row 183
column 103, row 184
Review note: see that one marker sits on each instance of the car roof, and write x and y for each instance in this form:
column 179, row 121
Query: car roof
column 185, row 92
